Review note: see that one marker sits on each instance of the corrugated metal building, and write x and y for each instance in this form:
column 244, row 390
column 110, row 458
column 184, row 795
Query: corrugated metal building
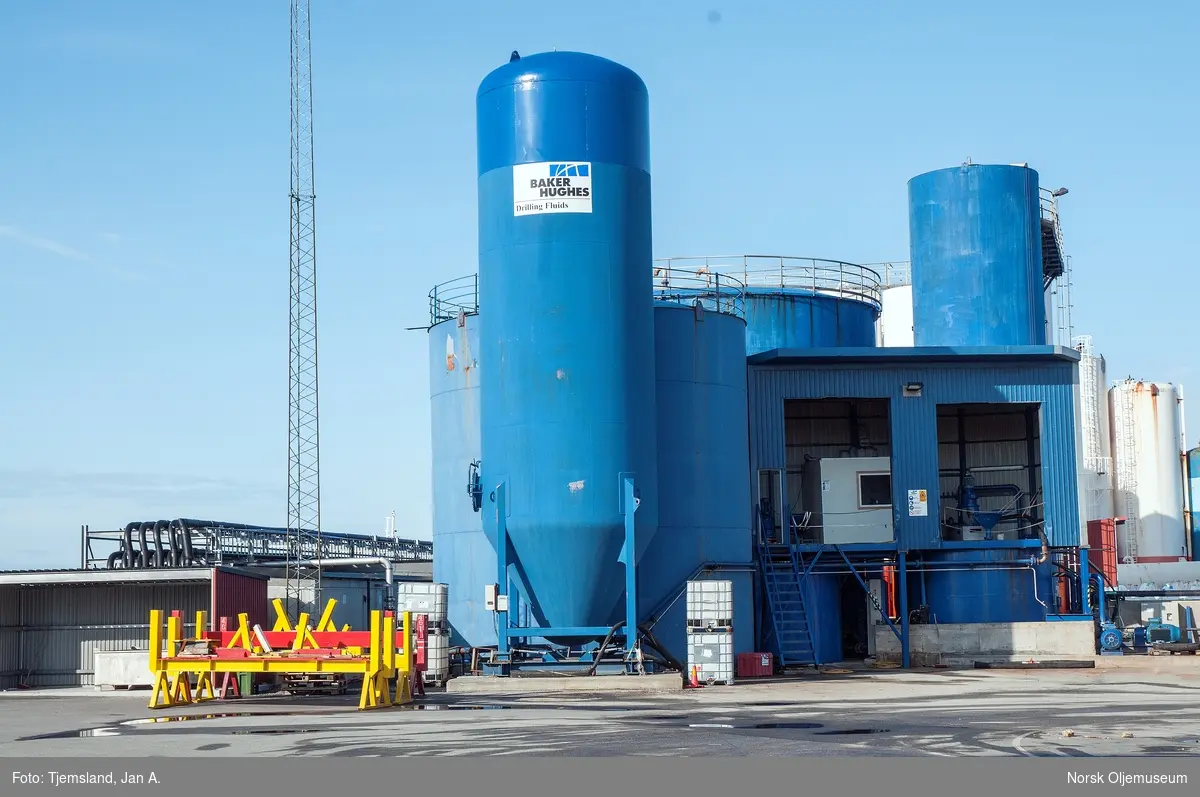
column 53, row 622
column 913, row 388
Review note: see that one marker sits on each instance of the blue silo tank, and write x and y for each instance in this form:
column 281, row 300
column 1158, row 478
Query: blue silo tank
column 463, row 557
column 564, row 267
column 976, row 246
column 798, row 302
column 705, row 507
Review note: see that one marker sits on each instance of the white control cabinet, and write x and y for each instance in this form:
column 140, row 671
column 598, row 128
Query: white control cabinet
column 850, row 498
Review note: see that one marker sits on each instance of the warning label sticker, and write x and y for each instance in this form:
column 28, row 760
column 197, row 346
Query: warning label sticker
column 918, row 503
column 555, row 187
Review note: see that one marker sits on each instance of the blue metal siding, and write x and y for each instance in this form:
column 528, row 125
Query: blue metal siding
column 782, row 319
column 914, row 427
column 976, row 241
column 464, row 559
column 568, row 395
column 703, row 468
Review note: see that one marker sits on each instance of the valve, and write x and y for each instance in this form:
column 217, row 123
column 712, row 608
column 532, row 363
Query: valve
column 474, row 486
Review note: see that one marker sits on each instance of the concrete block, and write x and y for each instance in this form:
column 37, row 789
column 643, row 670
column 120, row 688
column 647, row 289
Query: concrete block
column 997, row 638
column 122, row 669
column 956, row 644
column 1066, row 638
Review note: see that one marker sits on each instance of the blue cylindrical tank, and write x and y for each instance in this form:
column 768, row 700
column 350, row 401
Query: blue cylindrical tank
column 960, row 590
column 782, row 319
column 564, row 270
column 703, row 462
column 976, row 246
column 797, row 302
column 463, row 557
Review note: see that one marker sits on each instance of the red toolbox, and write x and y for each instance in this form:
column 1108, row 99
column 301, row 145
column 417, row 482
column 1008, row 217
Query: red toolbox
column 755, row 665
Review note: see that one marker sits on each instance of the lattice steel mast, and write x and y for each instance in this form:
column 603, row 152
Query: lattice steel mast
column 304, row 483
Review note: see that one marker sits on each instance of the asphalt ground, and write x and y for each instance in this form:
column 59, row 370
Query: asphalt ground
column 1074, row 713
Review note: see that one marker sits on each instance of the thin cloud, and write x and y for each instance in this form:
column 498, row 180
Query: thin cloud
column 52, row 485
column 108, row 44
column 111, row 237
column 17, row 235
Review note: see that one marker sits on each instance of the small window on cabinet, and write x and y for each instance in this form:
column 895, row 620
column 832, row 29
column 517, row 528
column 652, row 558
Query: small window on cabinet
column 874, row 490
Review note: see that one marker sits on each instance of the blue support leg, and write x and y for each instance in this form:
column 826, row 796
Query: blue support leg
column 1085, row 602
column 630, row 504
column 902, row 562
column 501, row 572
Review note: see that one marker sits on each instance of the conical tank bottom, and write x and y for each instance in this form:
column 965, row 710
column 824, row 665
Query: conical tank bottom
column 575, row 574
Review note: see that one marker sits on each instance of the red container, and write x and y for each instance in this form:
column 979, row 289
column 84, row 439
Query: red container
column 235, row 593
column 755, row 665
column 1102, row 547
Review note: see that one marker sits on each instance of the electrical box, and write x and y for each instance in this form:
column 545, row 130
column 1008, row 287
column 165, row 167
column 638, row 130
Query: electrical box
column 850, row 498
column 973, row 533
column 493, row 601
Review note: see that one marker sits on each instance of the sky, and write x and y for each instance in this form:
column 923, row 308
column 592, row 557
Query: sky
column 144, row 172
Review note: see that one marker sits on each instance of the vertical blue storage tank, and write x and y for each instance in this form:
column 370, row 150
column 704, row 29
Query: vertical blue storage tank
column 463, row 557
column 564, row 270
column 798, row 303
column 1000, row 591
column 976, row 246
column 703, row 453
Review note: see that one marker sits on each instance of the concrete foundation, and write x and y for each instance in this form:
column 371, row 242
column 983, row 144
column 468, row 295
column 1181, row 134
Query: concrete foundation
column 964, row 643
column 598, row 684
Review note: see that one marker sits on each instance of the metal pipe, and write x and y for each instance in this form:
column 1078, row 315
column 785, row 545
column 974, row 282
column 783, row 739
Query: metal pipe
column 185, row 539
column 160, row 557
column 173, row 542
column 661, row 649
column 604, row 646
column 1034, row 573
column 143, row 543
column 127, row 549
column 1045, row 546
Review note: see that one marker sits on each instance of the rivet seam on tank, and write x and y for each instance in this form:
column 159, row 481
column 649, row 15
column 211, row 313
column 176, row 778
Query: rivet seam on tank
column 575, row 486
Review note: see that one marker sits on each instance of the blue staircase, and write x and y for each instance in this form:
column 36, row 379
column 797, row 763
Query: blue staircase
column 785, row 598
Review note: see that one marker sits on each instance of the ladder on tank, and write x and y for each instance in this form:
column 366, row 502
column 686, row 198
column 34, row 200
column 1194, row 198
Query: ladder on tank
column 785, row 598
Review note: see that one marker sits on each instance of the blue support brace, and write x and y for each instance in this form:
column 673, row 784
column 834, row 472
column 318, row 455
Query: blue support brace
column 630, row 506
column 501, row 571
column 902, row 562
column 1085, row 603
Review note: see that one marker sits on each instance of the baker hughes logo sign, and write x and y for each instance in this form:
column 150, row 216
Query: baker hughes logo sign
column 563, row 187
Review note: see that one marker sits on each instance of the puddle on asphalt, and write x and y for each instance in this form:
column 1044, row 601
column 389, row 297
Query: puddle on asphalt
column 270, row 731
column 854, row 732
column 790, row 726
